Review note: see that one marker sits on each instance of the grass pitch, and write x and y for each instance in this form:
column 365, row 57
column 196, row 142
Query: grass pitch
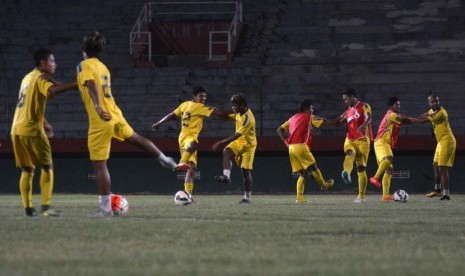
column 330, row 235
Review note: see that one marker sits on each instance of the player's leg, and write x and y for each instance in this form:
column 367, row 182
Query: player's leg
column 187, row 153
column 189, row 180
column 444, row 174
column 363, row 150
column 384, row 155
column 248, row 184
column 437, row 176
column 318, row 176
column 300, row 186
column 150, row 148
column 229, row 155
column 102, row 176
column 446, row 160
column 387, row 197
column 349, row 158
column 21, row 147
column 46, row 190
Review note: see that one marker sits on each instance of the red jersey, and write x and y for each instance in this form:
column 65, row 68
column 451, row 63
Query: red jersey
column 355, row 116
column 389, row 128
column 300, row 127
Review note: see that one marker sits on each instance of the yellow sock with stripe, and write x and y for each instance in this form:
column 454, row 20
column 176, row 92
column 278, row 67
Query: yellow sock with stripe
column 362, row 184
column 185, row 157
column 348, row 164
column 46, row 186
column 386, row 184
column 318, row 178
column 189, row 187
column 382, row 168
column 300, row 188
column 25, row 186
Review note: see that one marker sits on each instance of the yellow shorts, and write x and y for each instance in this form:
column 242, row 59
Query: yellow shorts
column 382, row 149
column 99, row 140
column 243, row 153
column 31, row 151
column 300, row 156
column 184, row 144
column 361, row 148
column 445, row 152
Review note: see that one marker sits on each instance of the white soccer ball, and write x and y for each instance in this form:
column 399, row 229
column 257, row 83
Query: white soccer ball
column 119, row 204
column 400, row 196
column 182, row 198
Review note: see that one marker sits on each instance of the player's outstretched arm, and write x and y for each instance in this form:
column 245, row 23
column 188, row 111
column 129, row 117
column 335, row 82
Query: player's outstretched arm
column 58, row 88
column 169, row 116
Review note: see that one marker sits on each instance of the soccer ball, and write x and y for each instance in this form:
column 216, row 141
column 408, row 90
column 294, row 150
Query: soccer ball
column 400, row 196
column 182, row 198
column 119, row 204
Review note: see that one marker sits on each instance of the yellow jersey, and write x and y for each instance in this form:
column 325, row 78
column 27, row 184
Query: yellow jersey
column 93, row 69
column 192, row 115
column 30, row 109
column 440, row 121
column 245, row 125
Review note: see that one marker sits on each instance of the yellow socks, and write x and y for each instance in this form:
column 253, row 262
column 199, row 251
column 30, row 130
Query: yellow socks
column 189, row 187
column 382, row 168
column 46, row 186
column 300, row 188
column 319, row 178
column 362, row 184
column 348, row 164
column 387, row 182
column 25, row 186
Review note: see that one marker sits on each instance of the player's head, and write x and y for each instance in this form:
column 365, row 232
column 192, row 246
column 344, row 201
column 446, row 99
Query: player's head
column 45, row 61
column 93, row 44
column 433, row 101
column 349, row 96
column 200, row 94
column 306, row 106
column 394, row 104
column 239, row 103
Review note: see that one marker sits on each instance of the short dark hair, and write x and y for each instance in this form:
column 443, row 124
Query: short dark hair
column 41, row 54
column 93, row 43
column 198, row 89
column 305, row 104
column 239, row 99
column 392, row 101
column 350, row 92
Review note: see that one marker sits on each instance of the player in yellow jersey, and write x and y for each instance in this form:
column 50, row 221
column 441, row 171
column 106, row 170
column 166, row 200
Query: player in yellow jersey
column 299, row 142
column 241, row 146
column 30, row 131
column 192, row 114
column 106, row 121
column 385, row 141
column 446, row 145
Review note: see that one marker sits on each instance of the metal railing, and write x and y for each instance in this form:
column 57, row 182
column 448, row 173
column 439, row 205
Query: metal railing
column 140, row 37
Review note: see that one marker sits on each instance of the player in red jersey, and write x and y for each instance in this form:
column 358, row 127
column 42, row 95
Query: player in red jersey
column 357, row 143
column 299, row 139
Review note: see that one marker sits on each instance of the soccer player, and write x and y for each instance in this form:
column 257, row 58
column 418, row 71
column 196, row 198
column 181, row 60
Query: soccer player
column 192, row 114
column 30, row 131
column 299, row 139
column 357, row 143
column 446, row 145
column 106, row 121
column 385, row 141
column 239, row 147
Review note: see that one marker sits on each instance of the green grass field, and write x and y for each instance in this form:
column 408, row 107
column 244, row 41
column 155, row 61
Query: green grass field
column 330, row 235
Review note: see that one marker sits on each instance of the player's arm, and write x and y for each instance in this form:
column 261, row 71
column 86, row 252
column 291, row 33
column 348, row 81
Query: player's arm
column 220, row 144
column 48, row 128
column 281, row 131
column 363, row 127
column 338, row 120
column 169, row 116
column 93, row 91
column 57, row 87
